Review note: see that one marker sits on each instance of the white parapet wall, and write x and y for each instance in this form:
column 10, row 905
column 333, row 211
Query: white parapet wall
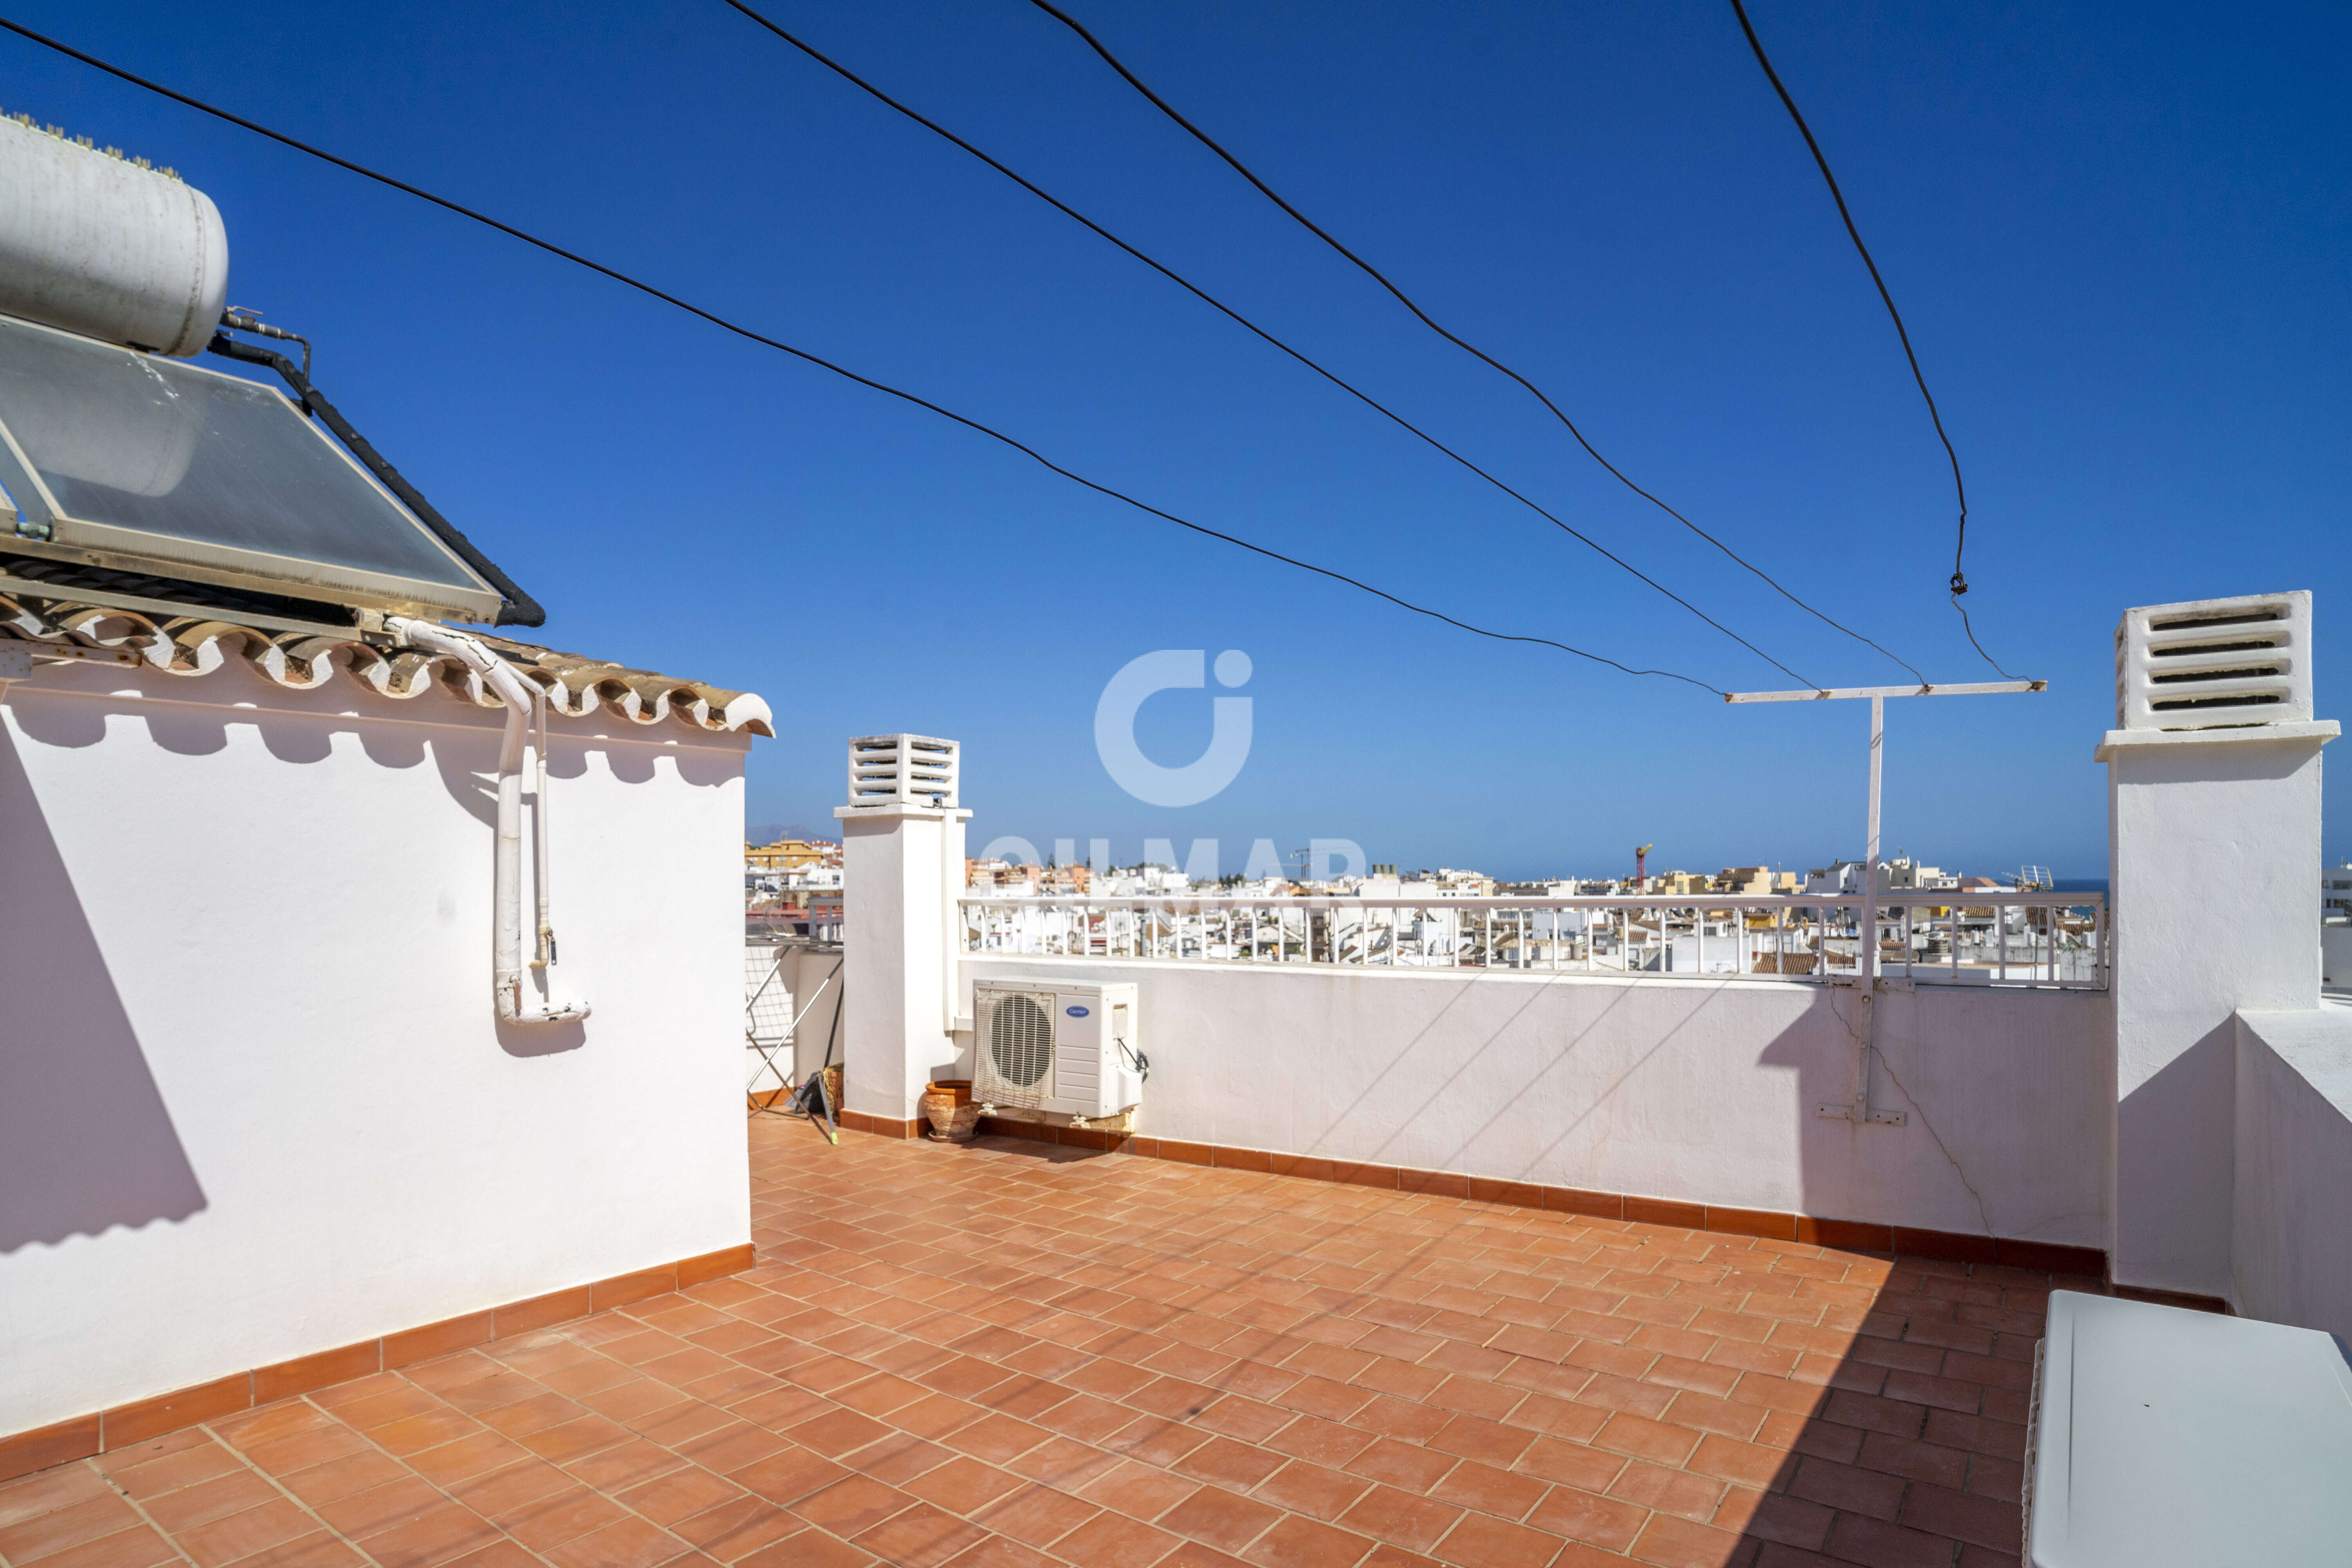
column 2291, row 1252
column 1700, row 1091
column 253, row 1100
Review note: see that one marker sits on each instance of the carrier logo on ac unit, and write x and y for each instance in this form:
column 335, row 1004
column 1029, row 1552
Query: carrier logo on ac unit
column 1059, row 1045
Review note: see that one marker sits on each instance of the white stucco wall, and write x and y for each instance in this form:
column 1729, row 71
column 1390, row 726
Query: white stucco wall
column 1703, row 1091
column 2292, row 1259
column 2212, row 836
column 254, row 1102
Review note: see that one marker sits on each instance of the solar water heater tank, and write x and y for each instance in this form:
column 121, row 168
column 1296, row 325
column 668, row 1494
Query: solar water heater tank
column 93, row 242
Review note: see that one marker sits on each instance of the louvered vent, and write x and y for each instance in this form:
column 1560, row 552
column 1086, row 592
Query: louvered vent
column 903, row 769
column 2215, row 664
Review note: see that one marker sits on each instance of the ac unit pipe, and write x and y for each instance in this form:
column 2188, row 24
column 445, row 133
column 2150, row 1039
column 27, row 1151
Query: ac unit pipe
column 526, row 705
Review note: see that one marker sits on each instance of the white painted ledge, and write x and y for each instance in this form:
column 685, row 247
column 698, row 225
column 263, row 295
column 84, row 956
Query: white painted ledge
column 2320, row 729
column 896, row 812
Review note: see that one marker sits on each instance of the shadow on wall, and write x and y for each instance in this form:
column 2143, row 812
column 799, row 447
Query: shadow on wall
column 537, row 1039
column 2170, row 1144
column 1846, row 1170
column 1997, row 1138
column 1899, row 1433
column 84, row 1140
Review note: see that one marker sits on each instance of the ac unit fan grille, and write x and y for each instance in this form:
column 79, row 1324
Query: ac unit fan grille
column 1020, row 1049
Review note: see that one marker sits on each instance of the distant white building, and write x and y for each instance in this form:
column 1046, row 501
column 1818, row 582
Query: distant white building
column 1900, row 875
column 1142, row 882
column 2336, row 891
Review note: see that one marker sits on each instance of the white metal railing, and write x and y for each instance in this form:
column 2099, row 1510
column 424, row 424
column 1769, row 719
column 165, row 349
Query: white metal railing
column 2046, row 940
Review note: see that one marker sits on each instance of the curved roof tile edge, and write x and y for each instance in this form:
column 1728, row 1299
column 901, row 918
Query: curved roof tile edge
column 196, row 644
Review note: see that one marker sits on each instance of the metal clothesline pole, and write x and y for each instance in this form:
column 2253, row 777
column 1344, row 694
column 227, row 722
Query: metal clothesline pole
column 1867, row 968
column 1866, row 982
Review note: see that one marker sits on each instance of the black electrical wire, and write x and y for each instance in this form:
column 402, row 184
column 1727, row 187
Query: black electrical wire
column 1971, row 632
column 1206, row 298
column 1473, row 350
column 742, row 331
column 1960, row 583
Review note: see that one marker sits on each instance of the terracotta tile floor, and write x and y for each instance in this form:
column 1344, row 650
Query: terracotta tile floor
column 1012, row 1354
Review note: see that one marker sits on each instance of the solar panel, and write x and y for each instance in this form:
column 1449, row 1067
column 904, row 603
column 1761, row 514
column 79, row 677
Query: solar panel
column 131, row 460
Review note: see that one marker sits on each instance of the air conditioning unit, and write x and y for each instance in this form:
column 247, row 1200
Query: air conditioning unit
column 1056, row 1045
column 2215, row 664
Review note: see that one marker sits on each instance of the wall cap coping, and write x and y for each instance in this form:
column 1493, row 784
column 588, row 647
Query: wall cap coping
column 2115, row 740
column 2315, row 1042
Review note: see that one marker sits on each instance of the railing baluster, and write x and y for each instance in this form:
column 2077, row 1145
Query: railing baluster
column 1506, row 933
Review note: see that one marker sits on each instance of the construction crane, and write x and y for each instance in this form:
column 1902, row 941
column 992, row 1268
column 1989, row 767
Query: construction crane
column 1642, row 865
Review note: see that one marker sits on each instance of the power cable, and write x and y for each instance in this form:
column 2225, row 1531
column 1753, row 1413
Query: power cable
column 1960, row 583
column 1206, row 298
column 822, row 364
column 1426, row 320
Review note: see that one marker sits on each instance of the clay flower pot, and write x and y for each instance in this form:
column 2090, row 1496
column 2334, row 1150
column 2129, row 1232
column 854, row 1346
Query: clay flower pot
column 947, row 1107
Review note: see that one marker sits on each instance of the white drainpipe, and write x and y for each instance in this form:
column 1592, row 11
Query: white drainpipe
column 525, row 704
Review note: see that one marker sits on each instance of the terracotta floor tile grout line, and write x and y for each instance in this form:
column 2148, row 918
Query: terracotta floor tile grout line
column 141, row 1510
column 359, row 1546
column 683, row 1544
column 279, row 1486
column 1393, row 1274
column 356, row 1544
column 1428, row 1244
column 1373, row 1288
column 1098, row 1358
column 560, row 1331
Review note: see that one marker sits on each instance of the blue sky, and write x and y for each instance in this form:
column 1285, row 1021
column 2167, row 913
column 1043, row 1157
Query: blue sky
column 2119, row 236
